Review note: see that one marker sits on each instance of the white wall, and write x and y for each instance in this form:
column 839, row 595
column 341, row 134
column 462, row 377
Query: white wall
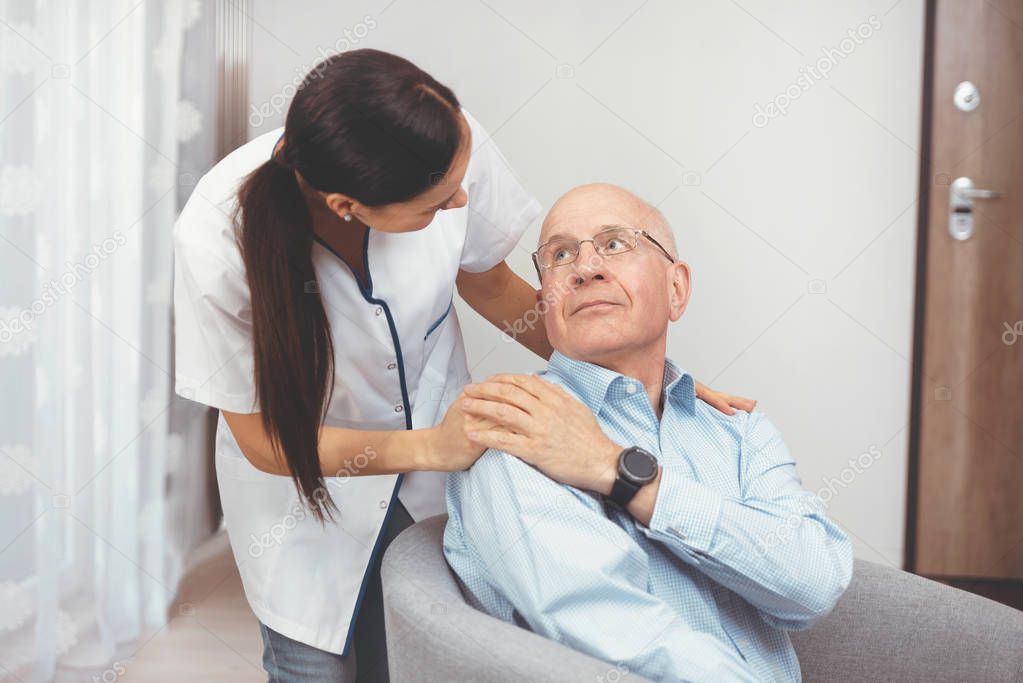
column 800, row 233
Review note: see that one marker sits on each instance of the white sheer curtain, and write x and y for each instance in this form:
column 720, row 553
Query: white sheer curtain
column 92, row 121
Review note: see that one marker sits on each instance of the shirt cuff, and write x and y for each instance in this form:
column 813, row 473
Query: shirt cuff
column 686, row 512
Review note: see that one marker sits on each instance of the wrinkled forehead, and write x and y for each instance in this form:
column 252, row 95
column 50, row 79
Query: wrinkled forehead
column 582, row 221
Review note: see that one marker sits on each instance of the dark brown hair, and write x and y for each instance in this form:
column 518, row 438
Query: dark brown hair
column 376, row 128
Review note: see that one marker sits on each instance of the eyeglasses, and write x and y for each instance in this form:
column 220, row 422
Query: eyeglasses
column 611, row 241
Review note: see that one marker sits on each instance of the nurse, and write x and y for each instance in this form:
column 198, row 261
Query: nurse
column 315, row 269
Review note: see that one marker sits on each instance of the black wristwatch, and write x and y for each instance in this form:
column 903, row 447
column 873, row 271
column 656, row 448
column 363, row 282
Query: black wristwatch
column 636, row 468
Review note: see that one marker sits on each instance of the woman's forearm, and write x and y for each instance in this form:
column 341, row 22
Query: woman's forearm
column 347, row 452
column 354, row 452
column 509, row 303
column 521, row 320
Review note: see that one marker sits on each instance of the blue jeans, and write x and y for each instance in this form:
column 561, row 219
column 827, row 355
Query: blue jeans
column 289, row 661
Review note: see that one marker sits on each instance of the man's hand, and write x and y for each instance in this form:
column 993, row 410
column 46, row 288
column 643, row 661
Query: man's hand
column 543, row 425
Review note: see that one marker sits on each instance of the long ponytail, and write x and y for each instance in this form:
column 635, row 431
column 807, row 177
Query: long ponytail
column 293, row 349
column 365, row 123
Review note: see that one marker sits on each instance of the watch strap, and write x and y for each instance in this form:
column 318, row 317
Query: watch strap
column 623, row 491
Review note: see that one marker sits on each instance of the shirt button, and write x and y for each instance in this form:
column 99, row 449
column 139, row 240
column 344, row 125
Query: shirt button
column 391, row 366
column 383, row 504
column 630, row 388
column 399, row 409
column 379, row 311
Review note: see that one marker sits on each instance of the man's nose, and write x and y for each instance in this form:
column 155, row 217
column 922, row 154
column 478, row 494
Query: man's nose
column 589, row 264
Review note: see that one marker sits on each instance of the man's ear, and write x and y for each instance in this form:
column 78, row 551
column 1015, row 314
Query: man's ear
column 680, row 285
column 539, row 295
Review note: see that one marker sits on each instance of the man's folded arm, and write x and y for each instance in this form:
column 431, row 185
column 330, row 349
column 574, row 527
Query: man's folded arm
column 773, row 546
column 573, row 575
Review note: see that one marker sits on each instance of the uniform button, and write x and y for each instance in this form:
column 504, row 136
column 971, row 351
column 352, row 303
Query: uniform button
column 630, row 388
column 379, row 311
column 383, row 504
column 399, row 409
column 391, row 366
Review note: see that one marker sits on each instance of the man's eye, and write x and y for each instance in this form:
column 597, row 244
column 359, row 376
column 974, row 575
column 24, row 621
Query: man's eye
column 562, row 255
column 615, row 244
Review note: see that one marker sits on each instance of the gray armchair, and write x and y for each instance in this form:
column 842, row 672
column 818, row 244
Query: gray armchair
column 890, row 625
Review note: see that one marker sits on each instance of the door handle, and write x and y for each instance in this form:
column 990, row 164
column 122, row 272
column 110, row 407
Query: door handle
column 960, row 206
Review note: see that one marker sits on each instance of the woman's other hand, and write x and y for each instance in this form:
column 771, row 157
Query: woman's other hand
column 726, row 403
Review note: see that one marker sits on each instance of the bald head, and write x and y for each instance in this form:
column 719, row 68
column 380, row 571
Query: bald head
column 606, row 204
column 610, row 308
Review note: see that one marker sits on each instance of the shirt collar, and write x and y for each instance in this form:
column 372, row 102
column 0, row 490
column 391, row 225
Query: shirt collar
column 595, row 384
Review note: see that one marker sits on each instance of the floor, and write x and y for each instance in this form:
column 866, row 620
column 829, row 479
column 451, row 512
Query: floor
column 213, row 635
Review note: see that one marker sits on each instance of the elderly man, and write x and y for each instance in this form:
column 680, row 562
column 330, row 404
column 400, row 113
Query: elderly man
column 613, row 511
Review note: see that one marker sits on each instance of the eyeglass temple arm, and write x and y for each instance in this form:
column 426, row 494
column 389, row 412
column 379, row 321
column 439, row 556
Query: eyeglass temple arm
column 663, row 250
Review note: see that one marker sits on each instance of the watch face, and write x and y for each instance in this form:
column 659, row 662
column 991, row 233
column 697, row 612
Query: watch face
column 639, row 464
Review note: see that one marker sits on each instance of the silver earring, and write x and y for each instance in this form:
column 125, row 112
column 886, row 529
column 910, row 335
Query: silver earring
column 348, row 218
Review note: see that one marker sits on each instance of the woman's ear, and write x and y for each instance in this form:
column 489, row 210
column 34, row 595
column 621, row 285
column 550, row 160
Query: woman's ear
column 339, row 204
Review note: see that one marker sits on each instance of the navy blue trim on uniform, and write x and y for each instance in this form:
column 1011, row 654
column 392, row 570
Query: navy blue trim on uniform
column 367, row 294
column 440, row 319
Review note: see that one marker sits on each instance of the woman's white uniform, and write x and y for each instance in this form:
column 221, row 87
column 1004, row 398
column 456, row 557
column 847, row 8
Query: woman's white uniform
column 399, row 363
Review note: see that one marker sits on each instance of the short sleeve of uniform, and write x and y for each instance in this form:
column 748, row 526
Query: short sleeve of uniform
column 499, row 208
column 212, row 312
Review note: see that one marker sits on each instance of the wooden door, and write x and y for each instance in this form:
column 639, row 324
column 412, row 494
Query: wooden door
column 966, row 493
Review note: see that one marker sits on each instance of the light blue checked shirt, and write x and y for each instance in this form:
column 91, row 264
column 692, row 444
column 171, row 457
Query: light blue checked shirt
column 736, row 554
